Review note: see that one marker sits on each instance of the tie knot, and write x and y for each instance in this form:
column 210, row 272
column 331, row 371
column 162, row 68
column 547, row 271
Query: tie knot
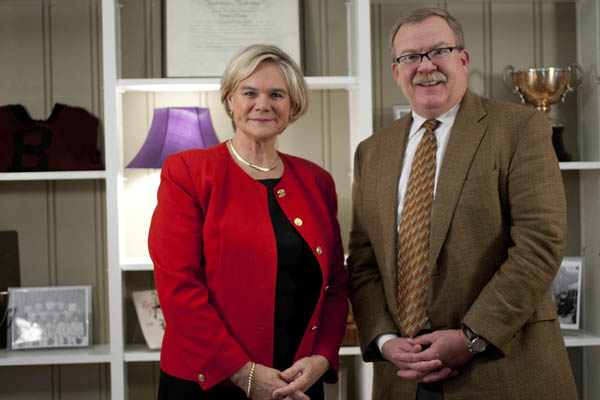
column 431, row 124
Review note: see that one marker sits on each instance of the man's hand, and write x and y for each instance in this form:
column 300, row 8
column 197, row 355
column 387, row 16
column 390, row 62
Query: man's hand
column 301, row 376
column 449, row 347
column 407, row 355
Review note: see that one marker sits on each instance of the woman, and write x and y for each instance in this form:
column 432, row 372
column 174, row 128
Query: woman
column 247, row 251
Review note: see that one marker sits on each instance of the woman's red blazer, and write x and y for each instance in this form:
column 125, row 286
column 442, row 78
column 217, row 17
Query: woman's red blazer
column 215, row 262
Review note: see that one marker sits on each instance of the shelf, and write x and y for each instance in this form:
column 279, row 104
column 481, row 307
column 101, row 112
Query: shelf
column 579, row 165
column 331, row 82
column 581, row 339
column 97, row 354
column 350, row 351
column 141, row 353
column 137, row 264
column 213, row 84
column 169, row 85
column 52, row 175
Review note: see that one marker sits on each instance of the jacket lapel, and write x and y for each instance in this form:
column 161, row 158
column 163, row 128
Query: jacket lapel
column 464, row 140
column 391, row 155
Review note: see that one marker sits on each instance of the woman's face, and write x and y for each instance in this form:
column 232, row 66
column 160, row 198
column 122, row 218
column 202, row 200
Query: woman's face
column 261, row 103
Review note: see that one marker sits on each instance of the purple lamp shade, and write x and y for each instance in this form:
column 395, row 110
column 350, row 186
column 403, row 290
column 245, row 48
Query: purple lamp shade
column 174, row 129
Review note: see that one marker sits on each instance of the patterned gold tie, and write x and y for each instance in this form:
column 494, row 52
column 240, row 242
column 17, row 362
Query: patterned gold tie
column 413, row 235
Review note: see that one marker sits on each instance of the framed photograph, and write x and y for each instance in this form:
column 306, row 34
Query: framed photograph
column 566, row 292
column 150, row 317
column 203, row 35
column 49, row 317
column 10, row 275
column 400, row 111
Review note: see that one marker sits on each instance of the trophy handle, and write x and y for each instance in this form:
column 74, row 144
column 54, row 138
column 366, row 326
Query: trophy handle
column 578, row 80
column 579, row 77
column 509, row 69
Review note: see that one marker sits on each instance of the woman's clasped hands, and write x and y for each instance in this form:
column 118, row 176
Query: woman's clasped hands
column 269, row 383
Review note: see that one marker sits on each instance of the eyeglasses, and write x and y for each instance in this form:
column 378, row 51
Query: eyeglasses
column 432, row 55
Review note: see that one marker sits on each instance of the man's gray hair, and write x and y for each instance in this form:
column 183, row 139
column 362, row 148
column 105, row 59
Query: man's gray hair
column 421, row 14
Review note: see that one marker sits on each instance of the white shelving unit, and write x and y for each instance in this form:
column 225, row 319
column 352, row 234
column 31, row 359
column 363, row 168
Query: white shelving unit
column 358, row 86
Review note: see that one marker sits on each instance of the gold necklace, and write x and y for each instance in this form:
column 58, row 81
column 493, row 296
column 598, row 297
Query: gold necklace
column 258, row 167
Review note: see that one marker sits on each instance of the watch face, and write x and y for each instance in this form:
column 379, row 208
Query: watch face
column 479, row 345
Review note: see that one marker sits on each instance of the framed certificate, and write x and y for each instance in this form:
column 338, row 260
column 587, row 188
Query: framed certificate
column 49, row 317
column 203, row 35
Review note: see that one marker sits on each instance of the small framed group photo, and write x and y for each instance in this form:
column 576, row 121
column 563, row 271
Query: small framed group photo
column 49, row 317
column 566, row 292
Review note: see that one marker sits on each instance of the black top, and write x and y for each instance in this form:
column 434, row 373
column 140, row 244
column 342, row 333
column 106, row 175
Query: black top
column 298, row 283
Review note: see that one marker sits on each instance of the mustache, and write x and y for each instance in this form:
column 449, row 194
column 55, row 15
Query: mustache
column 430, row 77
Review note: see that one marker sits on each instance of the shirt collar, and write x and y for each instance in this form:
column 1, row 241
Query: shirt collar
column 446, row 118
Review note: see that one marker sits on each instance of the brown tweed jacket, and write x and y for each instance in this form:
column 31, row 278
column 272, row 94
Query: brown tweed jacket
column 497, row 238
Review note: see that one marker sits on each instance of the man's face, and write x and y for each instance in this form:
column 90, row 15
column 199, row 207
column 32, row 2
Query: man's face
column 431, row 87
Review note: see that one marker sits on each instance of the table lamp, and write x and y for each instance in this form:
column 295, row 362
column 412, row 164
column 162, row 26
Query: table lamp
column 174, row 129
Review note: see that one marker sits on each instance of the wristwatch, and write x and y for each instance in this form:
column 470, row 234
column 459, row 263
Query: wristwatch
column 476, row 343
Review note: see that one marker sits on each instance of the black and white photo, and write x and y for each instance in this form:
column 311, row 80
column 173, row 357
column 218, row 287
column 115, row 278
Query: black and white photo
column 49, row 317
column 565, row 290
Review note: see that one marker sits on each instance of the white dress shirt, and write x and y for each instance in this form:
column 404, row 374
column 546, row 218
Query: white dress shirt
column 442, row 134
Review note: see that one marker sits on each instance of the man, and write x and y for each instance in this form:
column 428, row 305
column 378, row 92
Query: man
column 459, row 222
